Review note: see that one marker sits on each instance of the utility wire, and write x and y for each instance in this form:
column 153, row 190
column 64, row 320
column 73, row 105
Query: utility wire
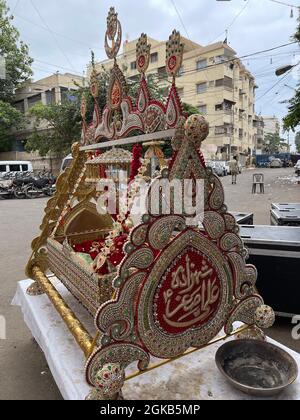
column 58, row 34
column 233, row 21
column 284, row 4
column 50, row 30
column 277, row 83
column 15, row 6
column 180, row 18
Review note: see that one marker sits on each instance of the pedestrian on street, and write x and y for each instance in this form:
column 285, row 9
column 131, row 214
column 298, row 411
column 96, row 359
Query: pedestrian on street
column 234, row 169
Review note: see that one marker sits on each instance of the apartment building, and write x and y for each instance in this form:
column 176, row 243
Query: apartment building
column 259, row 136
column 272, row 125
column 213, row 80
column 56, row 88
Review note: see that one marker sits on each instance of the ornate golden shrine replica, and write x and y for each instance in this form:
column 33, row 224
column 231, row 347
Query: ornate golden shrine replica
column 162, row 286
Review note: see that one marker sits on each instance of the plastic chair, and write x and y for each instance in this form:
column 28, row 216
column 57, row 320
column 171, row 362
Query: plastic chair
column 258, row 179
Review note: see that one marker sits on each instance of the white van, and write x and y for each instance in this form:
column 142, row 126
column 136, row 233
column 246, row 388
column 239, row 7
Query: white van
column 15, row 166
column 66, row 163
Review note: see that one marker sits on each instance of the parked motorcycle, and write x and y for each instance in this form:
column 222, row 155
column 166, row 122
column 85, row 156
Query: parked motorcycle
column 26, row 185
column 40, row 186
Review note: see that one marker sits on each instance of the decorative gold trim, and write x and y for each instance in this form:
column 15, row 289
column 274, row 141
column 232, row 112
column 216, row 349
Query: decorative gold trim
column 187, row 353
column 82, row 337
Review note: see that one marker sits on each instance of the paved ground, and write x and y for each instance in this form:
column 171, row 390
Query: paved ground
column 24, row 372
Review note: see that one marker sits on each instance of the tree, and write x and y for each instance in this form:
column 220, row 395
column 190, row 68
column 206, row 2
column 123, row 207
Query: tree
column 297, row 142
column 17, row 63
column 292, row 120
column 56, row 127
column 273, row 143
column 63, row 121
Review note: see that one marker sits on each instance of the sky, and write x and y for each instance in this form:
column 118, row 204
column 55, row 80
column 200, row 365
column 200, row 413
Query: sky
column 62, row 33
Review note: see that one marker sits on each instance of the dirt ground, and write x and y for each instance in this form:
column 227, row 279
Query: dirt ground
column 24, row 372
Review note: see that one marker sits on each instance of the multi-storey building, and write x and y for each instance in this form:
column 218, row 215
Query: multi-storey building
column 272, row 125
column 56, row 89
column 213, row 80
column 259, row 135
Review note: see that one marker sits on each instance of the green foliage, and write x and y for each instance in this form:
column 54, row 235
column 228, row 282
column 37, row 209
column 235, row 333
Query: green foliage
column 297, row 142
column 15, row 52
column 292, row 120
column 190, row 109
column 9, row 117
column 62, row 124
column 273, row 143
column 18, row 70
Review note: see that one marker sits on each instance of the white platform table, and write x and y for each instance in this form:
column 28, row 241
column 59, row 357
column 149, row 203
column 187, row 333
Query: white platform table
column 193, row 377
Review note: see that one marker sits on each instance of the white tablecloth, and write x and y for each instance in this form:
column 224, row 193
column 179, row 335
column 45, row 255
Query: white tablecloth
column 192, row 377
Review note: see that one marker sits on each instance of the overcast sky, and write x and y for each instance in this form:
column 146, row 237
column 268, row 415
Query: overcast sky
column 61, row 34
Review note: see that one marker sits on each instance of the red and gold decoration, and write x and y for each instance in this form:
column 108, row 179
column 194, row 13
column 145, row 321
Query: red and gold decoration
column 174, row 54
column 158, row 285
column 179, row 286
column 124, row 115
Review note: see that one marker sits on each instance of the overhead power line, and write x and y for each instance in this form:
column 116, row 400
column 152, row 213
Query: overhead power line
column 76, row 41
column 284, row 4
column 233, row 21
column 50, row 31
column 277, row 83
column 180, row 18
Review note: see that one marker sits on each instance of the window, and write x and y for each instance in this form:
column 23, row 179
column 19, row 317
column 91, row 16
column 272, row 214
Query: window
column 25, row 168
column 154, row 57
column 219, row 82
column 162, row 72
column 228, row 82
column 201, row 87
column 219, row 59
column 219, row 130
column 181, row 71
column 203, row 109
column 219, row 107
column 201, row 64
column 50, row 97
column 33, row 100
column 2, row 168
column 20, row 106
column 14, row 168
column 133, row 65
column 212, row 83
column 134, row 78
column 67, row 95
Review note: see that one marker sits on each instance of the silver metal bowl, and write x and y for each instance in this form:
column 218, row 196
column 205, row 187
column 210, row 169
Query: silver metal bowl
column 256, row 367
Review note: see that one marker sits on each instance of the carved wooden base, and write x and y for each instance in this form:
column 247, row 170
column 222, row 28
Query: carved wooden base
column 35, row 289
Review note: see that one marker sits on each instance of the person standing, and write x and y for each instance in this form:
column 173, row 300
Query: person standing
column 234, row 169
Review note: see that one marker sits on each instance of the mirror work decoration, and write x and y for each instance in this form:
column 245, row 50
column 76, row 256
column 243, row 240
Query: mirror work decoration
column 158, row 287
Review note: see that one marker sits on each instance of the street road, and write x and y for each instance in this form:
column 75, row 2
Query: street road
column 23, row 369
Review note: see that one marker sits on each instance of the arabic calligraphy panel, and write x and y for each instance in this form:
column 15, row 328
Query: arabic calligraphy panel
column 186, row 297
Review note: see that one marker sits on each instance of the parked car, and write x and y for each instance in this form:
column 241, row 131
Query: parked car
column 276, row 163
column 16, row 167
column 67, row 161
column 225, row 167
